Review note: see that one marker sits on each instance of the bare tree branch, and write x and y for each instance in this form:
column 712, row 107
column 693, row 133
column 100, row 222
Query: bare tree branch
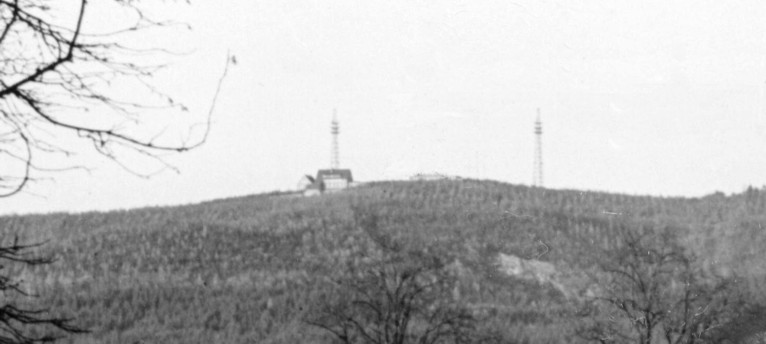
column 55, row 80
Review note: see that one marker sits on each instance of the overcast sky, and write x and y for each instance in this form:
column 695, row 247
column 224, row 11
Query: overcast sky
column 649, row 97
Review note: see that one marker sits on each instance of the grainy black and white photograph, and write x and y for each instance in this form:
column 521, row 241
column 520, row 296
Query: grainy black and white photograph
column 382, row 172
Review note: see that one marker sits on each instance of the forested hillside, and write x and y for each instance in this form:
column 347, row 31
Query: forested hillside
column 245, row 270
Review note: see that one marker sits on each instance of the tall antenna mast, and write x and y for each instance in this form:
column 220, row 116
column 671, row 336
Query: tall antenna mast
column 537, row 178
column 334, row 130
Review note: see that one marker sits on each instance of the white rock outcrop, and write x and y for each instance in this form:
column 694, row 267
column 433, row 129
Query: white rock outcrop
column 531, row 269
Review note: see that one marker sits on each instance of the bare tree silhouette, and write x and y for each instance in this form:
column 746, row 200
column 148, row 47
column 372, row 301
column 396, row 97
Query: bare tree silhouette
column 401, row 300
column 651, row 287
column 61, row 82
column 400, row 297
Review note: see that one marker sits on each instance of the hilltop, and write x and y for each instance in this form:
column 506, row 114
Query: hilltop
column 241, row 269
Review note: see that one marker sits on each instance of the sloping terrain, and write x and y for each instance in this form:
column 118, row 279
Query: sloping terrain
column 242, row 270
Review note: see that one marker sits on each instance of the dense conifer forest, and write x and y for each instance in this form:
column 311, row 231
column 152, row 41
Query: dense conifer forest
column 251, row 269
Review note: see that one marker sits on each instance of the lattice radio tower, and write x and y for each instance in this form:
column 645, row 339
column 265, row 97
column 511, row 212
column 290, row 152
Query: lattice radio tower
column 537, row 178
column 334, row 130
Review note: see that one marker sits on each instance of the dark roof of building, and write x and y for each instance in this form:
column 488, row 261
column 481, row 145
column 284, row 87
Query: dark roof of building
column 335, row 173
column 310, row 178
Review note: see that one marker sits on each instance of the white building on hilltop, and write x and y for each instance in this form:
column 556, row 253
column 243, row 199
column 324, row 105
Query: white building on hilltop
column 333, row 179
column 328, row 181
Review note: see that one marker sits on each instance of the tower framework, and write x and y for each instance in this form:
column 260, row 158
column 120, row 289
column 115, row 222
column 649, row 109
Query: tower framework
column 335, row 152
column 537, row 178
